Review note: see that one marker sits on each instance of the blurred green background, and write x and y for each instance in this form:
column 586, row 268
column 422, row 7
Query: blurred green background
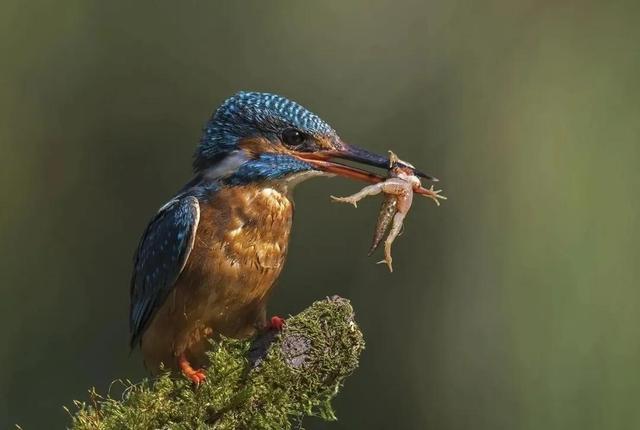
column 513, row 306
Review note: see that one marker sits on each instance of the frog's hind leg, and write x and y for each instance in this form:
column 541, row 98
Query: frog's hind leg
column 396, row 227
column 370, row 190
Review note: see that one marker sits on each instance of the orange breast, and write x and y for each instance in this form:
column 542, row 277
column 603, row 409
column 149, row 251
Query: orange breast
column 240, row 247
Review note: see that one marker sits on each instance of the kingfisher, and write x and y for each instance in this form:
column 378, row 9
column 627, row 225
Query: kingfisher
column 210, row 256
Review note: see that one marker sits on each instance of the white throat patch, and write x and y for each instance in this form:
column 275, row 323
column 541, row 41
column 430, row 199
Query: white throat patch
column 227, row 166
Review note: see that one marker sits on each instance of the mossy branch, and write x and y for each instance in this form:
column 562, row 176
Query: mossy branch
column 272, row 382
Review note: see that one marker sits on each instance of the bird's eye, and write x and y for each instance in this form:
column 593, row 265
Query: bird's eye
column 293, row 138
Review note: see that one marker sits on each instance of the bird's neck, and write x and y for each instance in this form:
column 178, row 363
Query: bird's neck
column 267, row 170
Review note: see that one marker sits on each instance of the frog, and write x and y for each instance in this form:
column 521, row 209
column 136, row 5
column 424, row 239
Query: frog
column 398, row 192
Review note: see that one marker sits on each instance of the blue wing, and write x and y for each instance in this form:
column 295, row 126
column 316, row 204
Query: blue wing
column 162, row 253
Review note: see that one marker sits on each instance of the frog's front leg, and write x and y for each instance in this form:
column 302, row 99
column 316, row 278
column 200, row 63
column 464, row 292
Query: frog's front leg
column 370, row 190
column 390, row 186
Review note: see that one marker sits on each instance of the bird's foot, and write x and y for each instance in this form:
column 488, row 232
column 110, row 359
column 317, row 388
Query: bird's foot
column 196, row 376
column 348, row 199
column 435, row 195
column 276, row 323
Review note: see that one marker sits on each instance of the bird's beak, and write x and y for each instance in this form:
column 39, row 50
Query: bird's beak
column 324, row 160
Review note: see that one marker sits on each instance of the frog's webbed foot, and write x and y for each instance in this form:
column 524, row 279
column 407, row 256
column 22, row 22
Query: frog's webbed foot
column 393, row 159
column 393, row 233
column 435, row 195
column 387, row 260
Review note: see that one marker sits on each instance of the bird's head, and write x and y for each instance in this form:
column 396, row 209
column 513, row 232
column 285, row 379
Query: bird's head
column 259, row 136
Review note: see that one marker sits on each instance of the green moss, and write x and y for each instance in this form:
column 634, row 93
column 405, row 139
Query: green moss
column 250, row 384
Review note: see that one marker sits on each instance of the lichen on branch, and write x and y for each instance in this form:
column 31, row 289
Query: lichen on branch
column 271, row 382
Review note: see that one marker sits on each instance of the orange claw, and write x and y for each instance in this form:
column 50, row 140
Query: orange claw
column 276, row 323
column 195, row 376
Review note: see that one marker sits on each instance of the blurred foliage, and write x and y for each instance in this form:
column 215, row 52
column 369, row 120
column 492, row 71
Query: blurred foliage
column 514, row 305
